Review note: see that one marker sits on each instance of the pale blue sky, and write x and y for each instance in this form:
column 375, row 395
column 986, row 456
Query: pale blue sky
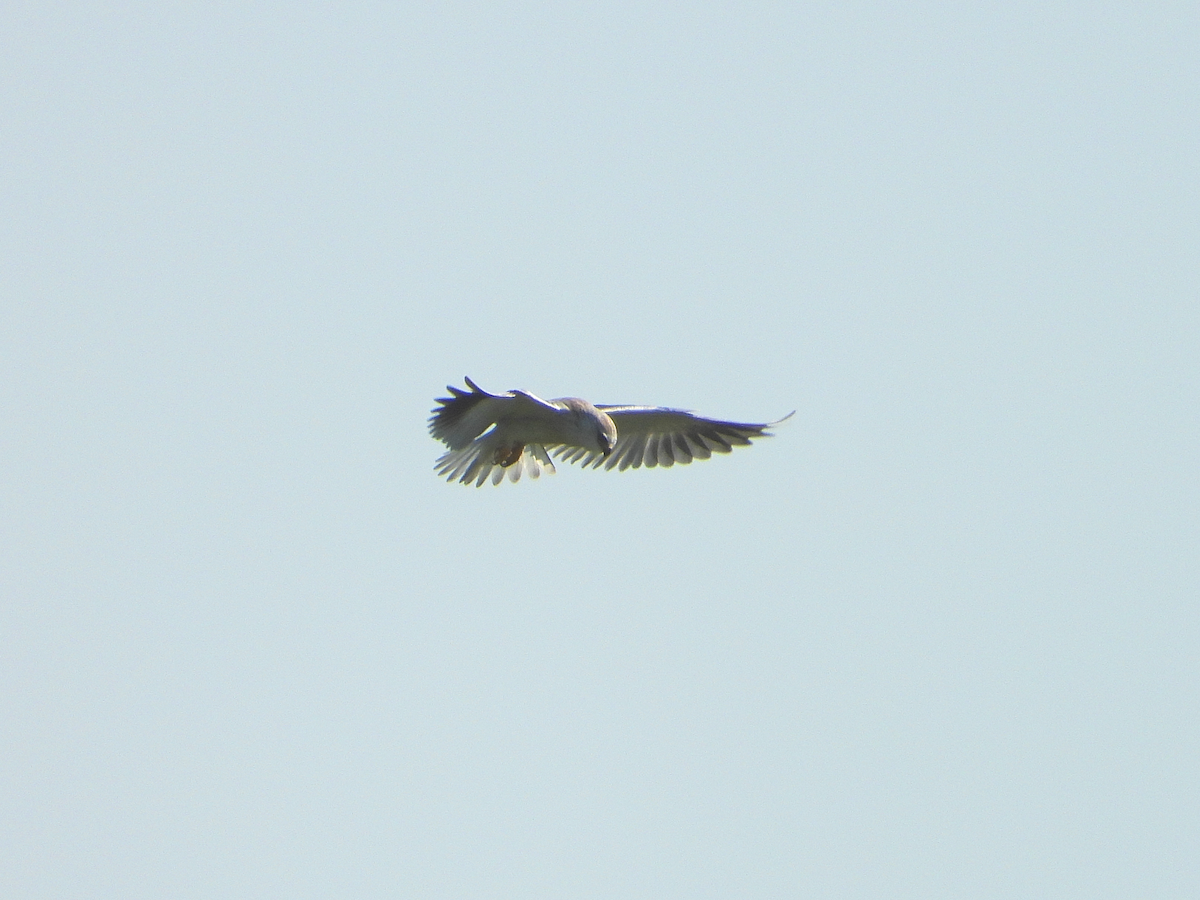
column 937, row 638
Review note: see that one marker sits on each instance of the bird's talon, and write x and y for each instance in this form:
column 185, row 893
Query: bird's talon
column 506, row 456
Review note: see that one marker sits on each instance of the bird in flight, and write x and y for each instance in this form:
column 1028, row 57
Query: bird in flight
column 491, row 435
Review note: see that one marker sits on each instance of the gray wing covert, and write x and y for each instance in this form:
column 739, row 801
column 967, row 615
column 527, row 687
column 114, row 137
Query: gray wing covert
column 462, row 417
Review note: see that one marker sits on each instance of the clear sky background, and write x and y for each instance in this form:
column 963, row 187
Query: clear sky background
column 937, row 638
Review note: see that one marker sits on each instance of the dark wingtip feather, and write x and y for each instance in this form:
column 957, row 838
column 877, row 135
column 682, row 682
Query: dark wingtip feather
column 450, row 410
column 763, row 428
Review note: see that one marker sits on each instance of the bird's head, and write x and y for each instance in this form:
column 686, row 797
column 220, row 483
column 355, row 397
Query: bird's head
column 595, row 428
column 606, row 433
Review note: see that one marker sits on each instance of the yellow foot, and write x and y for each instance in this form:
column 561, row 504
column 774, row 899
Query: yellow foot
column 507, row 455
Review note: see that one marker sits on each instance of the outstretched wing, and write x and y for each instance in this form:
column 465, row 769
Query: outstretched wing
column 489, row 435
column 657, row 436
column 465, row 415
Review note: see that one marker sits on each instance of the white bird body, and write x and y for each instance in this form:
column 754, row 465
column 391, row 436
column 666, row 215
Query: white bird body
column 491, row 434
